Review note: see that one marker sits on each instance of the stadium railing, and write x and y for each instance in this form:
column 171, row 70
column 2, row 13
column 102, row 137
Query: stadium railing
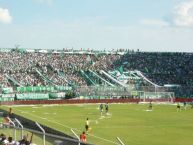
column 29, row 128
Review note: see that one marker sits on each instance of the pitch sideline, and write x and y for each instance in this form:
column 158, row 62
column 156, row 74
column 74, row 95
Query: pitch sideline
column 69, row 127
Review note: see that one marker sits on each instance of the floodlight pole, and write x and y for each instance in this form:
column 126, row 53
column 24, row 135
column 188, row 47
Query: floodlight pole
column 76, row 136
column 19, row 123
column 14, row 133
column 120, row 141
column 42, row 131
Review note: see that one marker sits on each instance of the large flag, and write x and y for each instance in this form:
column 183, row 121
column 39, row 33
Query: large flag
column 146, row 69
column 88, row 59
column 121, row 69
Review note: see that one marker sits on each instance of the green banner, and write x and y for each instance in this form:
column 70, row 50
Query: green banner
column 6, row 99
column 32, row 96
column 7, row 90
column 43, row 88
column 8, row 95
column 57, row 95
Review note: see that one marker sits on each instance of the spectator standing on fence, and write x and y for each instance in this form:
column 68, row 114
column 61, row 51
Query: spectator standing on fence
column 83, row 137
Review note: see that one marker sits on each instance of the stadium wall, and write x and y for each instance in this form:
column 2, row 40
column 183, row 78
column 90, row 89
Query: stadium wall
column 128, row 100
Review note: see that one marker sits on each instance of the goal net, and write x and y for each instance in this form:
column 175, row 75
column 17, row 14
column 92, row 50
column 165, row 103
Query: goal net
column 157, row 96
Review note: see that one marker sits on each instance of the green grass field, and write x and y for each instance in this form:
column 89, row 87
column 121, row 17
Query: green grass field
column 132, row 123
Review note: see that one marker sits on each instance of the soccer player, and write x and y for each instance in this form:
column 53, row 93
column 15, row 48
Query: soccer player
column 178, row 107
column 106, row 108
column 150, row 106
column 87, row 125
column 101, row 108
column 83, row 137
column 185, row 105
column 191, row 105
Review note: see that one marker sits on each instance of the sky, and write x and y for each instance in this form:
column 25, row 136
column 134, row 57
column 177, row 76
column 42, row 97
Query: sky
column 147, row 25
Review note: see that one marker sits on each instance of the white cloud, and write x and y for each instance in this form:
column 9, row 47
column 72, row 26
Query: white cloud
column 154, row 22
column 183, row 14
column 5, row 16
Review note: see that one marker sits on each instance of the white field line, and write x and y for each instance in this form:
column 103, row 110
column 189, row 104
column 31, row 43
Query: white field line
column 120, row 141
column 68, row 127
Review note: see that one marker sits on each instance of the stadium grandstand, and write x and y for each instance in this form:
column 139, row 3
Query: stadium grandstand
column 52, row 74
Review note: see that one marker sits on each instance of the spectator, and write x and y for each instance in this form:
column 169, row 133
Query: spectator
column 24, row 141
column 3, row 139
column 10, row 141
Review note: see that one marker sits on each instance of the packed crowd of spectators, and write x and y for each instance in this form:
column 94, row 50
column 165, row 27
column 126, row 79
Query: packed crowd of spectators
column 38, row 68
column 161, row 68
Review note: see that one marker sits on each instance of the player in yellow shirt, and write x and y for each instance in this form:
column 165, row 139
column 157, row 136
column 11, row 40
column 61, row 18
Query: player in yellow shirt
column 87, row 123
